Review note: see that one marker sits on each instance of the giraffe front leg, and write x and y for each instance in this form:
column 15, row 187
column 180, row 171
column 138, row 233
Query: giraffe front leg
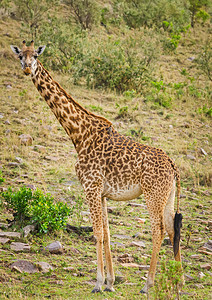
column 108, row 256
column 94, row 201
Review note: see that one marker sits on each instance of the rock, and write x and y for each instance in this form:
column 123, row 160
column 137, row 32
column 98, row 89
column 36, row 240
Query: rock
column 7, row 122
column 188, row 277
column 52, row 158
column 117, row 244
column 205, row 252
column 130, row 265
column 10, row 234
column 122, row 236
column 110, row 209
column 210, row 225
column 19, row 160
column 203, row 151
column 23, row 266
column 167, row 241
column 141, row 221
column 195, row 256
column 74, row 250
column 189, row 156
column 19, row 247
column 55, row 248
column 205, row 266
column 44, row 266
column 119, row 279
column 208, row 245
column 143, row 267
column 138, row 244
column 25, row 139
column 39, row 148
column 125, row 258
column 191, row 58
column 27, row 229
column 3, row 225
column 201, row 275
column 4, row 240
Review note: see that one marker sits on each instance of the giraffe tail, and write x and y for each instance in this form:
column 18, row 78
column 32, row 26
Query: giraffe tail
column 178, row 218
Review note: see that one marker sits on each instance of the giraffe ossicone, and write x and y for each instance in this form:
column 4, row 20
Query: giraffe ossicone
column 112, row 166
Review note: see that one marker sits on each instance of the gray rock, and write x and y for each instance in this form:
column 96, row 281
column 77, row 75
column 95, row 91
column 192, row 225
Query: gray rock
column 117, row 244
column 143, row 267
column 19, row 160
column 25, row 139
column 10, row 234
column 13, row 164
column 3, row 225
column 138, row 244
column 188, row 277
column 39, row 148
column 23, row 266
column 44, row 266
column 27, row 229
column 206, row 266
column 203, row 151
column 189, row 156
column 4, row 240
column 122, row 236
column 52, row 158
column 55, row 248
column 20, row 247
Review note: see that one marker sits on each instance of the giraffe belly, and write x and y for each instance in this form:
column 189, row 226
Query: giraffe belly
column 122, row 193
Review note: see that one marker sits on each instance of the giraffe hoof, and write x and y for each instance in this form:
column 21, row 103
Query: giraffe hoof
column 95, row 290
column 142, row 292
column 109, row 289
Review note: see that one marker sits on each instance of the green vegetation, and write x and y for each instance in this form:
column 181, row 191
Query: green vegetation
column 145, row 66
column 37, row 208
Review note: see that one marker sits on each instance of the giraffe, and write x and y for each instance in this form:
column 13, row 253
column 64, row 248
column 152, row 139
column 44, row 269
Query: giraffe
column 112, row 166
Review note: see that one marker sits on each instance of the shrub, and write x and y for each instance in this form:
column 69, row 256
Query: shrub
column 86, row 12
column 38, row 208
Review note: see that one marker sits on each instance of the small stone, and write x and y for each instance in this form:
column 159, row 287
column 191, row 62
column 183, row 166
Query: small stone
column 191, row 58
column 141, row 221
column 203, row 151
column 125, row 258
column 3, row 225
column 130, row 265
column 52, row 158
column 19, row 160
column 39, row 148
column 189, row 156
column 143, row 267
column 188, row 277
column 117, row 244
column 201, row 275
column 122, row 236
column 4, row 240
column 27, row 229
column 23, row 266
column 10, row 234
column 44, row 266
column 7, row 122
column 138, row 244
column 74, row 250
column 195, row 256
column 55, row 248
column 205, row 266
column 25, row 139
column 19, row 247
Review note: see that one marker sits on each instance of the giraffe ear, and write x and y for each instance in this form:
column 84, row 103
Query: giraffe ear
column 15, row 49
column 40, row 50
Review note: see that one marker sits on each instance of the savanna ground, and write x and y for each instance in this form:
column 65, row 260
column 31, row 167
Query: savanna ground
column 180, row 125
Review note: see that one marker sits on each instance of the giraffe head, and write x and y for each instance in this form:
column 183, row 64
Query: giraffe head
column 28, row 56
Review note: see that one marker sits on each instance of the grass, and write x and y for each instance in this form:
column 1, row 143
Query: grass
column 179, row 130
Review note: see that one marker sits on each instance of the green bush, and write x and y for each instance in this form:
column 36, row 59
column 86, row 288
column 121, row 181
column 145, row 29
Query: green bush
column 37, row 207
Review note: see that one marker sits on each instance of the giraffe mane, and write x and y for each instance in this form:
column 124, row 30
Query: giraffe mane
column 75, row 102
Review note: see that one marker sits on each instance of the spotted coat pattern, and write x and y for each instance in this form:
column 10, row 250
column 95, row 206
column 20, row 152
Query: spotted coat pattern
column 110, row 165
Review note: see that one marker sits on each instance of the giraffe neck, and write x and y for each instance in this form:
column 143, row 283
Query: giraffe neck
column 81, row 125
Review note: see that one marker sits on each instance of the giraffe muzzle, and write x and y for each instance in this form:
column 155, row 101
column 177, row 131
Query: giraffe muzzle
column 27, row 71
